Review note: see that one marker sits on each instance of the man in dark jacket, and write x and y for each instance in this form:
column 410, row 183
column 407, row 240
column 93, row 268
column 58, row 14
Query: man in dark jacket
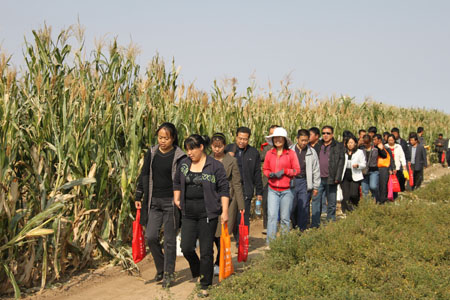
column 396, row 132
column 249, row 162
column 418, row 159
column 439, row 145
column 331, row 162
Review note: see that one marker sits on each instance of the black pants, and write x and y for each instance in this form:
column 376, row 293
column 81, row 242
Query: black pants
column 418, row 177
column 217, row 242
column 401, row 179
column 264, row 205
column 162, row 213
column 203, row 229
column 384, row 178
column 448, row 157
column 350, row 193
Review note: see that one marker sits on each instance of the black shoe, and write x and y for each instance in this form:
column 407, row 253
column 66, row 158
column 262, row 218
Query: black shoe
column 159, row 277
column 168, row 280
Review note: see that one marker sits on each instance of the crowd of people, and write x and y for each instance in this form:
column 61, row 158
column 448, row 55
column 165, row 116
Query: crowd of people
column 297, row 181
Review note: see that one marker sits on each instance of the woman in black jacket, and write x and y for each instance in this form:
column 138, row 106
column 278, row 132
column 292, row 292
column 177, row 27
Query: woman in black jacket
column 201, row 191
column 156, row 185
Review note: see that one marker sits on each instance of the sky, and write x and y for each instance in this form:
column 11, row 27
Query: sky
column 396, row 52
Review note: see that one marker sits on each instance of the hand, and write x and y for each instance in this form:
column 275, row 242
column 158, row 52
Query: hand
column 259, row 197
column 355, row 166
column 390, row 172
column 279, row 174
column 315, row 192
column 138, row 204
column 242, row 211
column 177, row 203
column 395, row 172
column 336, row 181
column 231, row 153
column 224, row 217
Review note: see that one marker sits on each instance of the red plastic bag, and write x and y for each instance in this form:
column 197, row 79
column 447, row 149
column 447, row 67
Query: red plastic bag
column 443, row 158
column 225, row 263
column 390, row 195
column 395, row 184
column 138, row 244
column 411, row 176
column 243, row 240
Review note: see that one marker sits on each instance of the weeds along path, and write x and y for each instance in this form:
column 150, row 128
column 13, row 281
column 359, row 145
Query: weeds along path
column 111, row 283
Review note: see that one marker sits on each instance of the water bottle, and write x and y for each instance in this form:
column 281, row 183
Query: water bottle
column 258, row 207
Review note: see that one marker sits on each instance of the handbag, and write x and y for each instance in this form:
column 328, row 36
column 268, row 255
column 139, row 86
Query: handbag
column 225, row 263
column 395, row 183
column 243, row 240
column 138, row 242
column 390, row 195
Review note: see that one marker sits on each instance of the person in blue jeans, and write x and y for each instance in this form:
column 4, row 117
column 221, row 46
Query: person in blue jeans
column 371, row 173
column 305, row 183
column 331, row 162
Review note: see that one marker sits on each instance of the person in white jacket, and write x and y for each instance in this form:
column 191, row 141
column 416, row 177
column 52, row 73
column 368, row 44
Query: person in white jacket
column 399, row 159
column 352, row 176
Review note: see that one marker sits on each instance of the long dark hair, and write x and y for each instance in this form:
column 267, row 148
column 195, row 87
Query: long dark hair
column 171, row 129
column 195, row 141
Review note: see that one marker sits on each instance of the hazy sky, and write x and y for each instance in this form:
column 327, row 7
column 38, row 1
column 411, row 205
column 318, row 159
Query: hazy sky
column 397, row 52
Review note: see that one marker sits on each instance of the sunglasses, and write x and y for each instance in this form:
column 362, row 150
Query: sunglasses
column 326, row 133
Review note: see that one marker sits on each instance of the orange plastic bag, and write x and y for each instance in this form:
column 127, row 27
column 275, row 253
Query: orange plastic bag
column 225, row 263
column 138, row 243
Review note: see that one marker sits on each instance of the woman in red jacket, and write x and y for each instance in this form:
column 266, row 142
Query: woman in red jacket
column 280, row 166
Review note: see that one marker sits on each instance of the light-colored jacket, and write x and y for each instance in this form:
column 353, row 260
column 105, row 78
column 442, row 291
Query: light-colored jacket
column 357, row 158
column 399, row 156
column 312, row 168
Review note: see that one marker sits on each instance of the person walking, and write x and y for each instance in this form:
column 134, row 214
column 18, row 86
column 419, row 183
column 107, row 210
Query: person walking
column 155, row 186
column 396, row 132
column 418, row 159
column 385, row 165
column 236, row 204
column 307, row 182
column 420, row 137
column 448, row 152
column 331, row 162
column 399, row 159
column 264, row 149
column 370, row 172
column 361, row 134
column 201, row 192
column 439, row 148
column 249, row 162
column 280, row 166
column 314, row 138
column 352, row 175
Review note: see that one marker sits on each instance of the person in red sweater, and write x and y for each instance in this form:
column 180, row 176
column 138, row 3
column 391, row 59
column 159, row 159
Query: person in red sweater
column 280, row 166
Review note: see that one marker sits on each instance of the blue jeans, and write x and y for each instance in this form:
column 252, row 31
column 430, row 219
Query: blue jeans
column 278, row 203
column 330, row 191
column 301, row 200
column 324, row 203
column 370, row 181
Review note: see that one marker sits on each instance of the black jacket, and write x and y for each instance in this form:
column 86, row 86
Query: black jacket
column 421, row 157
column 144, row 183
column 214, row 181
column 336, row 161
column 251, row 170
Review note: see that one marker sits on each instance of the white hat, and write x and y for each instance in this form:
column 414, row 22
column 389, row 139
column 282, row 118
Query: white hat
column 279, row 131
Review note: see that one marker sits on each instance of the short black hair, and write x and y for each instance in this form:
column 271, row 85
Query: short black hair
column 420, row 129
column 395, row 129
column 440, row 134
column 329, row 127
column 377, row 135
column 392, row 136
column 386, row 133
column 273, row 126
column 303, row 132
column 194, row 141
column 244, row 129
column 361, row 130
column 315, row 130
column 413, row 135
column 372, row 129
column 171, row 129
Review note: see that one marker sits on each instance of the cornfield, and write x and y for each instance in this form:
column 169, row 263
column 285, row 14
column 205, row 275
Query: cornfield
column 74, row 129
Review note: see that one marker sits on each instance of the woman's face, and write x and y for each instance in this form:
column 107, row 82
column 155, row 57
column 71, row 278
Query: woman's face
column 218, row 148
column 391, row 141
column 195, row 154
column 351, row 144
column 165, row 140
column 279, row 141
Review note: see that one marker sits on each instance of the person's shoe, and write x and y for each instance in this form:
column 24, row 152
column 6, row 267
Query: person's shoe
column 203, row 294
column 168, row 280
column 264, row 231
column 159, row 277
column 216, row 270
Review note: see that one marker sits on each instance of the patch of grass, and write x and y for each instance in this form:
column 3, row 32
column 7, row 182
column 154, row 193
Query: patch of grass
column 395, row 251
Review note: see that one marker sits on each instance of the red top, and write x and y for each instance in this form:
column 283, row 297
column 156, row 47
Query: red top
column 272, row 163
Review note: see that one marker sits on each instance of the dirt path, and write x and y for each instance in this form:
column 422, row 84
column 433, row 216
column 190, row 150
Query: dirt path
column 111, row 283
